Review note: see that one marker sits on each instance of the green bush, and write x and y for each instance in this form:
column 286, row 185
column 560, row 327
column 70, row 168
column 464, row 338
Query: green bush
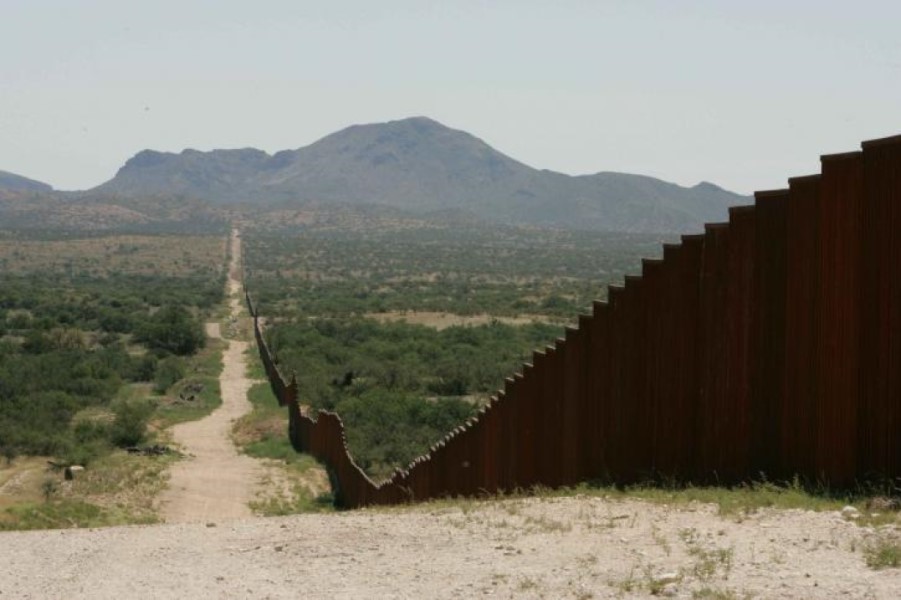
column 173, row 329
column 145, row 368
column 68, row 349
column 169, row 371
column 130, row 425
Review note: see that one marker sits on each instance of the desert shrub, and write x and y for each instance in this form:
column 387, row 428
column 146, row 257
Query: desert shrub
column 172, row 329
column 66, row 351
column 386, row 430
column 145, row 368
column 169, row 371
column 130, row 425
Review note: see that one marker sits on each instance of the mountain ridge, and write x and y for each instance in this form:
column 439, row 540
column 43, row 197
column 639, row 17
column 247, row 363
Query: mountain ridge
column 11, row 182
column 421, row 167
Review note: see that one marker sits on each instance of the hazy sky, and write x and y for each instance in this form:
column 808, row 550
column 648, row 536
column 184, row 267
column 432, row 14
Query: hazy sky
column 740, row 93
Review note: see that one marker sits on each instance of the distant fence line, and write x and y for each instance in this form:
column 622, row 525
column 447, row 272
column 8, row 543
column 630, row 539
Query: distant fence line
column 768, row 345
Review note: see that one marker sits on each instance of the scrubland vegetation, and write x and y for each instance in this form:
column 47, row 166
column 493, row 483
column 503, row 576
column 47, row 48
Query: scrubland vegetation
column 400, row 387
column 97, row 359
column 96, row 355
column 465, row 271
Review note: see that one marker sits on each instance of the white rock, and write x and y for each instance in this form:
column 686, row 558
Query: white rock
column 849, row 512
column 668, row 578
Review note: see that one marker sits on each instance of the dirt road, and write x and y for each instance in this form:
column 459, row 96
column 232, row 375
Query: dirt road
column 216, row 482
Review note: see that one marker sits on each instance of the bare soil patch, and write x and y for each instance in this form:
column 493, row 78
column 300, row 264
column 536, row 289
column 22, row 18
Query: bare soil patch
column 575, row 547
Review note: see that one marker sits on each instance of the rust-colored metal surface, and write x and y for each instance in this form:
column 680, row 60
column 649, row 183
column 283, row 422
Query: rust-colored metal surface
column 838, row 321
column 770, row 344
column 767, row 368
column 881, row 311
column 800, row 408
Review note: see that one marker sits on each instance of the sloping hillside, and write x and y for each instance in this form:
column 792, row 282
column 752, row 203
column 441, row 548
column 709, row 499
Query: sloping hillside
column 421, row 166
column 11, row 182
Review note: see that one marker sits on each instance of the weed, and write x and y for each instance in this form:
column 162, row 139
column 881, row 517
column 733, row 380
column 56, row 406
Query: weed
column 660, row 540
column 628, row 584
column 546, row 525
column 301, row 500
column 49, row 488
column 527, row 583
column 883, row 553
column 708, row 561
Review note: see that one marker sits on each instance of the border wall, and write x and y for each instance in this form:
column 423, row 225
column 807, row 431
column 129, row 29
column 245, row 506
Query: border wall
column 768, row 345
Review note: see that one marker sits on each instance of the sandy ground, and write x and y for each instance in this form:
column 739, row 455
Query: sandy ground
column 540, row 548
column 216, row 482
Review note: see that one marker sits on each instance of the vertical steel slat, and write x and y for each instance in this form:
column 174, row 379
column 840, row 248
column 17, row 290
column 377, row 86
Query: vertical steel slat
column 711, row 384
column 768, row 332
column 571, row 406
column 802, row 306
column 881, row 287
column 838, row 326
column 737, row 400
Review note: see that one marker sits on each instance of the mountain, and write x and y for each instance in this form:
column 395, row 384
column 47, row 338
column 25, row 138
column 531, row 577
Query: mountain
column 421, row 166
column 218, row 176
column 11, row 182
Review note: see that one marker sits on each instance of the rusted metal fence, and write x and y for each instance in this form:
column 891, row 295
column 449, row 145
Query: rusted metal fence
column 770, row 344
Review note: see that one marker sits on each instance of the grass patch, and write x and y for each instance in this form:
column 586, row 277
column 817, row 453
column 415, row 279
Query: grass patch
column 299, row 502
column 731, row 501
column 303, row 490
column 254, row 366
column 883, row 553
column 61, row 514
column 735, row 502
column 199, row 393
column 117, row 489
column 263, row 433
column 274, row 447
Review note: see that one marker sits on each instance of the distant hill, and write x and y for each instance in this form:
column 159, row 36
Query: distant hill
column 16, row 183
column 220, row 176
column 421, row 166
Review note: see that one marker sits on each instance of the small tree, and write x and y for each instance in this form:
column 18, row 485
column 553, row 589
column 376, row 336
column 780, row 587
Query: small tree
column 9, row 442
column 10, row 452
column 169, row 371
column 130, row 426
column 49, row 488
column 173, row 329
